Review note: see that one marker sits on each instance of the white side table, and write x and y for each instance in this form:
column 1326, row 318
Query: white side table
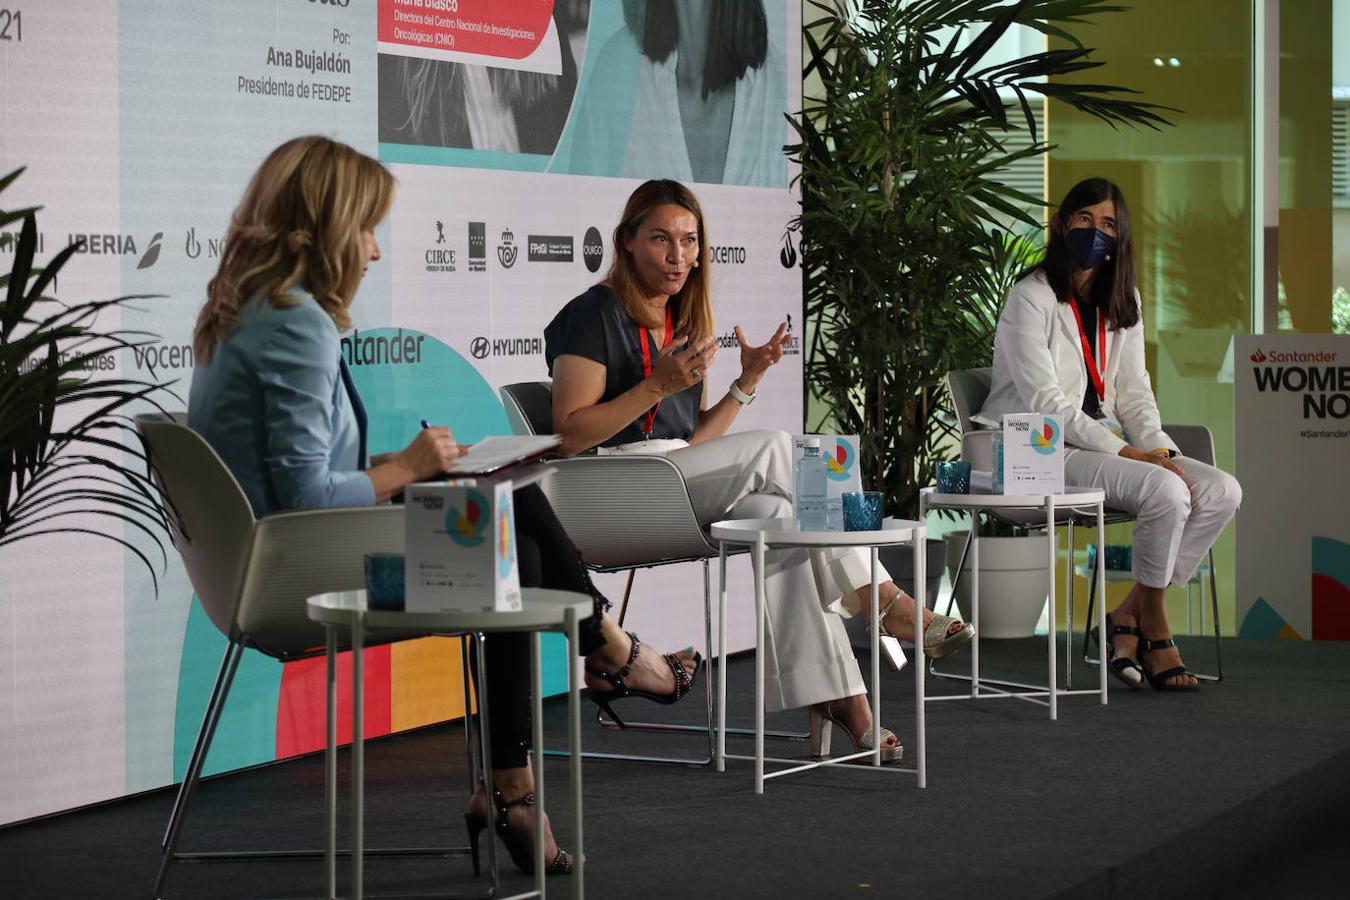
column 979, row 499
column 761, row 535
column 542, row 610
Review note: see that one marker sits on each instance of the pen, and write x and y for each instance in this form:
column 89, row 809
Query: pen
column 425, row 424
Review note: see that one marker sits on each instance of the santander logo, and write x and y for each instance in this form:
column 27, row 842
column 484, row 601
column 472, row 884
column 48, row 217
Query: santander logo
column 1259, row 356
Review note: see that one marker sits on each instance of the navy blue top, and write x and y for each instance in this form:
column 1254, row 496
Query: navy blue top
column 596, row 327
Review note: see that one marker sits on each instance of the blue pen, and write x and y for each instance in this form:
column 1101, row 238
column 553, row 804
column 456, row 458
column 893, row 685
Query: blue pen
column 425, row 424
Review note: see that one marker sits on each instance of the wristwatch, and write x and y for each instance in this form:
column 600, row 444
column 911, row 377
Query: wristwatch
column 741, row 396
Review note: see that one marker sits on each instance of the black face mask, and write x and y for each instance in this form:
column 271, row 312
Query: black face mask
column 1089, row 247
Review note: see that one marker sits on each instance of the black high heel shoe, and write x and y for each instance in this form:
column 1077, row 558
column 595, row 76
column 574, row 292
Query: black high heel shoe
column 519, row 840
column 1162, row 681
column 1125, row 669
column 684, row 682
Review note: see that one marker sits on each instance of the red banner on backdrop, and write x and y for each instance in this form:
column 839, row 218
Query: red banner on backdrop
column 507, row 29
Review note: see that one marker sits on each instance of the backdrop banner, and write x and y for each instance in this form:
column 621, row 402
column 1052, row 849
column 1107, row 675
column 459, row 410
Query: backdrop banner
column 1293, row 440
column 516, row 131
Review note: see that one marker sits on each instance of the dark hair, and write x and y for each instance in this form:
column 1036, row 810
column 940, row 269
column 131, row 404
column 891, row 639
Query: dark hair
column 1113, row 290
column 738, row 36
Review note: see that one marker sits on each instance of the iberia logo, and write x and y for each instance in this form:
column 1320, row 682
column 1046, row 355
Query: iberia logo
column 1047, row 439
column 506, row 534
column 839, row 466
column 1259, row 356
column 466, row 528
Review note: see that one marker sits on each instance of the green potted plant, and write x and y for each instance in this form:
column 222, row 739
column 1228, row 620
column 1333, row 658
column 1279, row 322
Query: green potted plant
column 909, row 239
column 69, row 454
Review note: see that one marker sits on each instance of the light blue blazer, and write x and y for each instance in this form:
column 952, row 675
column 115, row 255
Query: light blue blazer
column 273, row 404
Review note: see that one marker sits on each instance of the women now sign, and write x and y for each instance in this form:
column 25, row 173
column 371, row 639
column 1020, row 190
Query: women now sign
column 509, row 33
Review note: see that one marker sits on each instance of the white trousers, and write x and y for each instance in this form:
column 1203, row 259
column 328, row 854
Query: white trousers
column 748, row 475
column 1176, row 522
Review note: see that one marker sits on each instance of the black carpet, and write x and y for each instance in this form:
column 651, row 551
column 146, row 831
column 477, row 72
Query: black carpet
column 1241, row 790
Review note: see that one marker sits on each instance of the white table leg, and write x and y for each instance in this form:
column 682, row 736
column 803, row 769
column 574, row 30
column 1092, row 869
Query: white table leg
column 1052, row 545
column 722, row 656
column 921, row 663
column 975, row 601
column 1101, row 596
column 358, row 753
column 876, row 663
column 537, row 712
column 574, row 748
column 330, row 764
column 759, row 664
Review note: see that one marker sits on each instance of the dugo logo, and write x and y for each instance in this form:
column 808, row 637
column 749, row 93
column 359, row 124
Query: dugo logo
column 507, row 249
column 466, row 528
column 592, row 249
column 839, row 466
column 1259, row 356
column 1046, row 441
column 506, row 535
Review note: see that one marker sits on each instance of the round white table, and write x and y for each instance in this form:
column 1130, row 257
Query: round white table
column 761, row 535
column 980, row 499
column 542, row 610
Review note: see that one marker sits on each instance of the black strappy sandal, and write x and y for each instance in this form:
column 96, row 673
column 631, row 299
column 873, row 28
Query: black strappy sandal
column 1126, row 670
column 684, row 681
column 1161, row 681
column 519, row 841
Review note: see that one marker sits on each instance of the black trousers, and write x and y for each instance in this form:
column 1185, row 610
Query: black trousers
column 547, row 559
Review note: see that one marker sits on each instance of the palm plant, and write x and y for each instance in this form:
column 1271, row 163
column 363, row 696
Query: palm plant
column 68, row 450
column 909, row 238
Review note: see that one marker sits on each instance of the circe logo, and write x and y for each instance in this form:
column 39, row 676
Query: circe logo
column 479, row 348
column 1259, row 356
column 507, row 249
column 592, row 249
column 466, row 528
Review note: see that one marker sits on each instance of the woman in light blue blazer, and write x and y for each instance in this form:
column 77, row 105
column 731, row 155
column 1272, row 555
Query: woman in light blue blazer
column 272, row 394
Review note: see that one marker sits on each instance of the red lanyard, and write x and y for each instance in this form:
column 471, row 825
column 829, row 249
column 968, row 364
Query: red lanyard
column 644, row 340
column 1096, row 373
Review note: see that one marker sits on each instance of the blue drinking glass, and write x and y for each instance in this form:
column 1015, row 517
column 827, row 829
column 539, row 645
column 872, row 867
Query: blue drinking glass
column 384, row 580
column 953, row 477
column 862, row 510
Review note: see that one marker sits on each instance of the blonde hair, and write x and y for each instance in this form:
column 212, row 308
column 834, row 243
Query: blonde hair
column 696, row 318
column 298, row 225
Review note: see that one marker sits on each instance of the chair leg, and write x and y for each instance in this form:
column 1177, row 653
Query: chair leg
column 1092, row 604
column 1068, row 607
column 1218, row 639
column 229, row 664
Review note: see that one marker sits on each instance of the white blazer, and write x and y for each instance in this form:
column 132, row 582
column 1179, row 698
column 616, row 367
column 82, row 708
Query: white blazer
column 1038, row 367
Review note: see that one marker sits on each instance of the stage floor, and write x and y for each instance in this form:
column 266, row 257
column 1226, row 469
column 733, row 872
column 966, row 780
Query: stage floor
column 1239, row 790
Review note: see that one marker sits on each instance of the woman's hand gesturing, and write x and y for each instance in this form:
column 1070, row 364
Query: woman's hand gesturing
column 680, row 366
column 755, row 361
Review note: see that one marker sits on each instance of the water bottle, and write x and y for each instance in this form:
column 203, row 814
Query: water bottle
column 810, row 489
column 998, row 461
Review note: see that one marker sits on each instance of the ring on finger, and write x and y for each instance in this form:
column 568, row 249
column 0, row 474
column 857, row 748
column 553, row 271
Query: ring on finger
column 697, row 373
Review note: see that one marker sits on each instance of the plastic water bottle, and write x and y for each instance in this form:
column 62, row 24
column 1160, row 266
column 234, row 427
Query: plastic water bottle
column 810, row 489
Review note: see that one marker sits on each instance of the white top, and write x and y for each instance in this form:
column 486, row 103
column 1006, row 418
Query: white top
column 541, row 610
column 1039, row 367
column 980, row 497
column 784, row 533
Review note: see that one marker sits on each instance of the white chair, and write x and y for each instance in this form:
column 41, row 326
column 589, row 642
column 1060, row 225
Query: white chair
column 253, row 577
column 969, row 389
column 624, row 513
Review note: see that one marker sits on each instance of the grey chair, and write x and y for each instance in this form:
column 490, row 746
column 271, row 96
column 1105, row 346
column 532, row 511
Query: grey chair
column 969, row 388
column 624, row 513
column 252, row 577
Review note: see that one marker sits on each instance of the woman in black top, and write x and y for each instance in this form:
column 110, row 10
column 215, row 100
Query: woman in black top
column 628, row 359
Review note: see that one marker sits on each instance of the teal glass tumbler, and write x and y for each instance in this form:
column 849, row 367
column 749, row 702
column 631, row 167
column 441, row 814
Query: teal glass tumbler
column 862, row 510
column 384, row 581
column 953, row 477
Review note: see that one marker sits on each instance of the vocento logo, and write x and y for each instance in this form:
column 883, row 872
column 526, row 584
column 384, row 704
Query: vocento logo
column 839, row 466
column 466, row 528
column 1046, row 441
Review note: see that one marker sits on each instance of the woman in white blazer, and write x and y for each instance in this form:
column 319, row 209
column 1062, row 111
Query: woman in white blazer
column 1070, row 342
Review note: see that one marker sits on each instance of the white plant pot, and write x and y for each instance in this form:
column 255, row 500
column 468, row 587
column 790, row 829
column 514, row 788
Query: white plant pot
column 1013, row 583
